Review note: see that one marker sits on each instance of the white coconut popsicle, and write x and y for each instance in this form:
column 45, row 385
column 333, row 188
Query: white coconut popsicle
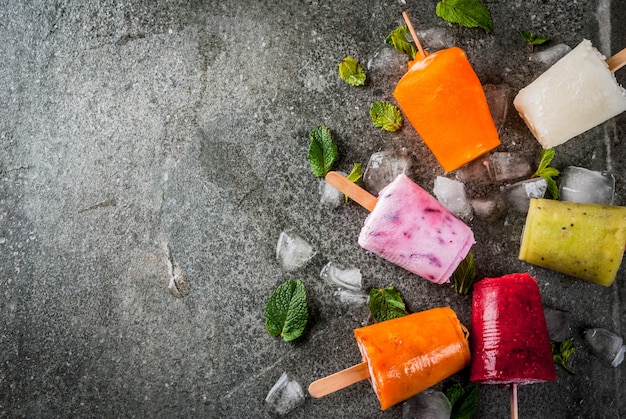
column 576, row 94
column 408, row 227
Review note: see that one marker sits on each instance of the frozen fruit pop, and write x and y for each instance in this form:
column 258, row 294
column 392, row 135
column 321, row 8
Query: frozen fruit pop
column 574, row 95
column 405, row 356
column 585, row 241
column 444, row 101
column 509, row 341
column 410, row 228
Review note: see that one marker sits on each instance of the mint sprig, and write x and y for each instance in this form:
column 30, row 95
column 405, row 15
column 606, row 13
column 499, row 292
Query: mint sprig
column 464, row 400
column 386, row 116
column 351, row 72
column 322, row 151
column 399, row 39
column 561, row 351
column 286, row 312
column 468, row 13
column 548, row 173
column 533, row 39
column 386, row 304
column 465, row 275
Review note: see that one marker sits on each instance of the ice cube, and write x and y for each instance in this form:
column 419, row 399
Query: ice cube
column 383, row 167
column 558, row 324
column 349, row 278
column 349, row 297
column 550, row 55
column 451, row 193
column 385, row 59
column 285, row 395
column 588, row 186
column 429, row 404
column 503, row 166
column 606, row 345
column 518, row 194
column 474, row 171
column 329, row 195
column 498, row 98
column 489, row 207
column 292, row 251
column 435, row 38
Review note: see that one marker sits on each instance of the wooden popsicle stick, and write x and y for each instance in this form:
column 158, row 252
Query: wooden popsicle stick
column 352, row 190
column 337, row 381
column 617, row 61
column 418, row 44
column 513, row 400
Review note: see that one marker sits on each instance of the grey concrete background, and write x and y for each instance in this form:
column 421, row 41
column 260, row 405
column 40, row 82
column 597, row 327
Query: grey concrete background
column 140, row 137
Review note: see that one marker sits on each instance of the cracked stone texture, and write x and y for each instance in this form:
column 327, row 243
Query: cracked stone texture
column 150, row 145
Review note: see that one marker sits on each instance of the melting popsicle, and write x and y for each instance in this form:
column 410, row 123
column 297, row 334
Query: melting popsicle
column 510, row 342
column 445, row 102
column 585, row 241
column 574, row 95
column 404, row 356
column 410, row 228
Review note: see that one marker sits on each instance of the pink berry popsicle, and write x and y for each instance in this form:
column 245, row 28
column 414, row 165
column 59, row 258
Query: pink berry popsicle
column 410, row 228
column 574, row 95
column 404, row 356
column 509, row 340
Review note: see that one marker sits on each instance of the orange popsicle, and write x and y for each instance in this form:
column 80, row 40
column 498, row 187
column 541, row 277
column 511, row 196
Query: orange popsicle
column 445, row 102
column 407, row 355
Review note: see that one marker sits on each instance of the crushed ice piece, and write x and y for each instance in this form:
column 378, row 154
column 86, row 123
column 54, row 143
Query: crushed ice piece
column 429, row 404
column 435, row 38
column 518, row 195
column 606, row 345
column 503, row 166
column 578, row 184
column 490, row 207
column 292, row 251
column 474, row 171
column 498, row 98
column 551, row 55
column 349, row 297
column 285, row 395
column 383, row 167
column 451, row 193
column 557, row 322
column 349, row 278
column 387, row 58
column 329, row 195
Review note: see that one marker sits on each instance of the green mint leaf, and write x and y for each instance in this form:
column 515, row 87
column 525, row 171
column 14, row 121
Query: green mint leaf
column 464, row 399
column 386, row 304
column 399, row 39
column 548, row 173
column 351, row 72
column 561, row 351
column 354, row 176
column 286, row 312
column 386, row 116
column 533, row 39
column 468, row 13
column 465, row 275
column 322, row 151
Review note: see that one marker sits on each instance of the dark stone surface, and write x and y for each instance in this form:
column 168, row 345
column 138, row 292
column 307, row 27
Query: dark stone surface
column 142, row 139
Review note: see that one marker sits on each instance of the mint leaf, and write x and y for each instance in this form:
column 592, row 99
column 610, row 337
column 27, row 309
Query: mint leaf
column 386, row 116
column 322, row 151
column 386, row 304
column 286, row 312
column 399, row 39
column 465, row 275
column 464, row 399
column 561, row 351
column 468, row 13
column 533, row 39
column 355, row 175
column 351, row 72
column 548, row 173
